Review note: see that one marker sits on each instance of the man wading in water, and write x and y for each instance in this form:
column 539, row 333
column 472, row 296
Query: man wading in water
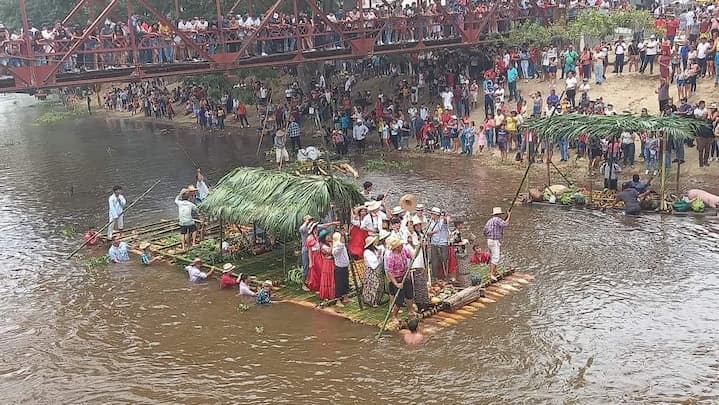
column 494, row 231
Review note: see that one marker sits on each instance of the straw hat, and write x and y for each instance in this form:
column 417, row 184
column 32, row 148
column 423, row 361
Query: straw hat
column 267, row 283
column 373, row 206
column 336, row 237
column 713, row 105
column 393, row 242
column 311, row 227
column 497, row 211
column 196, row 260
column 435, row 211
column 397, row 210
column 384, row 234
column 370, row 240
column 144, row 245
column 227, row 267
column 420, row 207
column 280, row 132
column 307, row 217
column 418, row 220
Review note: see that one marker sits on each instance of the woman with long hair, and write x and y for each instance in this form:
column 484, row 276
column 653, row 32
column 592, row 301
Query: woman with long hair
column 326, row 266
column 313, row 245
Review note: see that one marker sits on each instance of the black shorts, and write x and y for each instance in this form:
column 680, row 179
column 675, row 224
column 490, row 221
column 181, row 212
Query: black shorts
column 186, row 229
column 407, row 291
column 595, row 153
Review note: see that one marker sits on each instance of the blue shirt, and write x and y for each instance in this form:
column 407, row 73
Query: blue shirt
column 345, row 121
column 263, row 297
column 552, row 100
column 684, row 51
column 441, row 236
column 512, row 74
column 119, row 253
column 145, row 258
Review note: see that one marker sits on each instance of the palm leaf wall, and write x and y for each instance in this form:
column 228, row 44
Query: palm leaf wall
column 570, row 126
column 277, row 201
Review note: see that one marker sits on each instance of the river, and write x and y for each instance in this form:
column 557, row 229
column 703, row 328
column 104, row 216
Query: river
column 623, row 310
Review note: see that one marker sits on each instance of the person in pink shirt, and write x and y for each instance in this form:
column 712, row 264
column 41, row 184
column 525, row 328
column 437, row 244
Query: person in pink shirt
column 396, row 265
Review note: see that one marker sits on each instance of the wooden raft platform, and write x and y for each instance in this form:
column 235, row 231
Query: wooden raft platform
column 163, row 237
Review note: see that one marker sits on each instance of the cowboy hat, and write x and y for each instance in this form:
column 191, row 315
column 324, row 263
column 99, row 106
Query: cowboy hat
column 227, row 267
column 267, row 283
column 144, row 245
column 497, row 211
column 373, row 206
column 397, row 210
column 280, row 132
column 196, row 260
column 435, row 211
column 311, row 227
column 393, row 242
column 384, row 234
column 370, row 240
column 307, row 217
column 190, row 189
column 713, row 105
column 420, row 207
column 417, row 220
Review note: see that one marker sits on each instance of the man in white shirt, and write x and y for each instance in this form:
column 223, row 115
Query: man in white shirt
column 116, row 203
column 447, row 96
column 359, row 133
column 619, row 48
column 571, row 89
column 700, row 112
column 703, row 47
column 372, row 222
column 652, row 46
column 195, row 274
column 423, row 112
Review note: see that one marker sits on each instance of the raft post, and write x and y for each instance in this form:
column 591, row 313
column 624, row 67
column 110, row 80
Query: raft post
column 662, row 173
column 679, row 167
column 354, row 274
column 222, row 236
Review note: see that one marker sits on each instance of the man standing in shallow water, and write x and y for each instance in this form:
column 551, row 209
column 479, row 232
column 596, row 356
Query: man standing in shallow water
column 116, row 203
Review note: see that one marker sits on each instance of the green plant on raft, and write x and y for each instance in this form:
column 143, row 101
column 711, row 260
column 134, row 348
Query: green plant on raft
column 295, row 276
column 207, row 250
column 91, row 262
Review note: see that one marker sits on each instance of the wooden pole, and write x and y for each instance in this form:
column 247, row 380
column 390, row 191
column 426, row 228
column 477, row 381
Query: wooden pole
column 679, row 167
column 111, row 222
column 264, row 123
column 662, row 172
column 222, row 236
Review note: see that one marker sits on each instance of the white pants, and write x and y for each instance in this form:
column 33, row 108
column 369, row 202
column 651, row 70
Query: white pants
column 494, row 251
column 118, row 222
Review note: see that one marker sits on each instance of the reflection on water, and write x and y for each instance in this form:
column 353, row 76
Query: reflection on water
column 622, row 309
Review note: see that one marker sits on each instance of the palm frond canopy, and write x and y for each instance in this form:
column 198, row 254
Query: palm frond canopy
column 277, row 201
column 570, row 126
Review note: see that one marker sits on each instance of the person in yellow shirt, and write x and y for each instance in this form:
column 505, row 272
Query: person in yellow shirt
column 511, row 127
column 564, row 105
column 165, row 54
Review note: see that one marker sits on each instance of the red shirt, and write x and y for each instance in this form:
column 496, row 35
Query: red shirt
column 660, row 22
column 672, row 26
column 228, row 281
column 90, row 238
column 241, row 109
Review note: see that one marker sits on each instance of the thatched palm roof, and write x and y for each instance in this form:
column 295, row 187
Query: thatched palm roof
column 277, row 201
column 570, row 126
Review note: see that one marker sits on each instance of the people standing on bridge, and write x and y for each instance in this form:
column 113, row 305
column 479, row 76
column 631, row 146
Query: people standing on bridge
column 494, row 232
column 116, row 203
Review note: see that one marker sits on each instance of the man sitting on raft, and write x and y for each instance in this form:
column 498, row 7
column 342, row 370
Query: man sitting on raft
column 637, row 184
column 630, row 196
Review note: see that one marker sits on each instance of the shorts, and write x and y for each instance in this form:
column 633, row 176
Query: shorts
column 552, row 69
column 595, row 153
column 187, row 229
column 681, row 83
column 494, row 250
column 118, row 223
column 502, row 145
column 407, row 291
column 281, row 155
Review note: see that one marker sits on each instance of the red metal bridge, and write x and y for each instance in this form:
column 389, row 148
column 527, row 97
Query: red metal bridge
column 139, row 42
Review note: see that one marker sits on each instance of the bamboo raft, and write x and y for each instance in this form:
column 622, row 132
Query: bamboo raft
column 272, row 265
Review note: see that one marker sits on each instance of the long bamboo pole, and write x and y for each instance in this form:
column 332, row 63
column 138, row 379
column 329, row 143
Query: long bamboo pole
column 264, row 123
column 662, row 172
column 111, row 222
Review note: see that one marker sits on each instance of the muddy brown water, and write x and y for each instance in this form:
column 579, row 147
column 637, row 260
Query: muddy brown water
column 622, row 310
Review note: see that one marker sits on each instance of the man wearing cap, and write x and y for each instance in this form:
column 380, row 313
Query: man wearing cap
column 281, row 154
column 194, row 273
column 438, row 232
column 228, row 280
column 494, row 231
column 185, row 208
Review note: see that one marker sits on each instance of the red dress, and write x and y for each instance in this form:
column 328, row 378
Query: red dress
column 313, row 278
column 357, row 239
column 327, row 273
column 451, row 260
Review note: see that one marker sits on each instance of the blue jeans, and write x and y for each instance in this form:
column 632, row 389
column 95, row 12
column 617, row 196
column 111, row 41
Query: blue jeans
column 305, row 263
column 599, row 73
column 512, row 90
column 564, row 149
column 679, row 148
column 650, row 161
column 489, row 134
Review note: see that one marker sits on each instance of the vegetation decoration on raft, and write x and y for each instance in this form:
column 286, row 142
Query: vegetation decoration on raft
column 276, row 201
column 92, row 262
column 571, row 126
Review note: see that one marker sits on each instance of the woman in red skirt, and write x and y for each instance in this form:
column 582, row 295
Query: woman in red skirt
column 313, row 247
column 326, row 267
column 357, row 234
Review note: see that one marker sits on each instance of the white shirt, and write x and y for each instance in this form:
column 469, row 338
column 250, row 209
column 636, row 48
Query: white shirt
column 195, row 274
column 619, row 48
column 571, row 83
column 116, row 205
column 372, row 223
column 702, row 49
column 652, row 47
column 700, row 113
column 245, row 289
column 202, row 190
column 359, row 132
column 372, row 259
column 423, row 112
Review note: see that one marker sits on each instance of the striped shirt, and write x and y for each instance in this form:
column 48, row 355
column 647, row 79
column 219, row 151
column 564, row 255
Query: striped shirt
column 494, row 229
